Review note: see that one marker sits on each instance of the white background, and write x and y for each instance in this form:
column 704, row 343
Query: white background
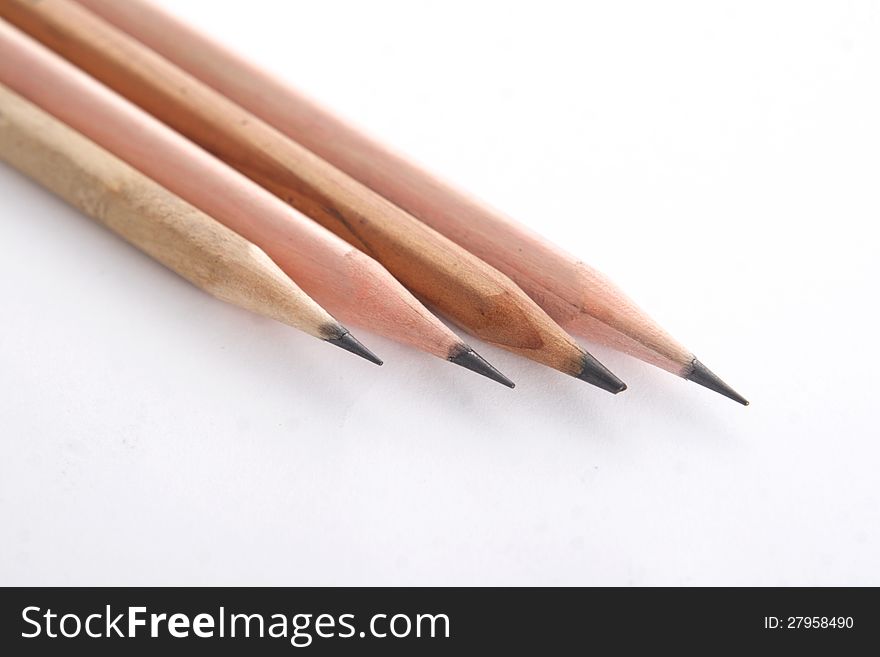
column 719, row 160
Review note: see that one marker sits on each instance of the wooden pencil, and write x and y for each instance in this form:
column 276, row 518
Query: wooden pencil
column 157, row 222
column 580, row 298
column 348, row 283
column 471, row 293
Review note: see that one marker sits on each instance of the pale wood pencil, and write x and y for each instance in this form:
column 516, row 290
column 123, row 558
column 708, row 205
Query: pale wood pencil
column 348, row 283
column 580, row 298
column 471, row 293
column 160, row 224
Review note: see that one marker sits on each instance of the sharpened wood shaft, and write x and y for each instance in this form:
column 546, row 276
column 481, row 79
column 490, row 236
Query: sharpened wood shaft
column 182, row 238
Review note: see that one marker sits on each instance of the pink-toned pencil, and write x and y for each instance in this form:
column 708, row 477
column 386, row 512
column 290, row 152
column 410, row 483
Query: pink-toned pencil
column 350, row 284
column 578, row 297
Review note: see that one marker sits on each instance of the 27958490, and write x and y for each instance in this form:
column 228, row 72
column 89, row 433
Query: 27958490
column 808, row 622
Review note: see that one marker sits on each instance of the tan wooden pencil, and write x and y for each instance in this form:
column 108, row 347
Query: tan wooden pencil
column 163, row 226
column 471, row 293
column 345, row 281
column 580, row 298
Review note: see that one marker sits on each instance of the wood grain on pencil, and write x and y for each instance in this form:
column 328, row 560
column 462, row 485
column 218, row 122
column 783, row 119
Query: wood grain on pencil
column 160, row 224
column 580, row 298
column 462, row 287
column 351, row 285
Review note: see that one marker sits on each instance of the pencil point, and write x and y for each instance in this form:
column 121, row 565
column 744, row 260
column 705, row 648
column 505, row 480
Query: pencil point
column 467, row 357
column 348, row 342
column 592, row 371
column 708, row 379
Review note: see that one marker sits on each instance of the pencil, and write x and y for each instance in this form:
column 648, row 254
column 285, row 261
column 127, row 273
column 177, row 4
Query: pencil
column 160, row 224
column 348, row 283
column 444, row 275
column 580, row 298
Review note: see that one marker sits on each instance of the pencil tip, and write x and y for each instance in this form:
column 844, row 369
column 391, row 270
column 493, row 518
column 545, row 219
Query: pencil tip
column 592, row 371
column 708, row 379
column 348, row 342
column 467, row 357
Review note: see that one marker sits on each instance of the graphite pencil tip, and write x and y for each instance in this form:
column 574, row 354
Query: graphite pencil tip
column 592, row 371
column 348, row 342
column 467, row 357
column 705, row 377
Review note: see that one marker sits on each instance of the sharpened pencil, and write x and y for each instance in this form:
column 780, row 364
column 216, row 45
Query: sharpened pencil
column 471, row 293
column 580, row 298
column 157, row 222
column 348, row 283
